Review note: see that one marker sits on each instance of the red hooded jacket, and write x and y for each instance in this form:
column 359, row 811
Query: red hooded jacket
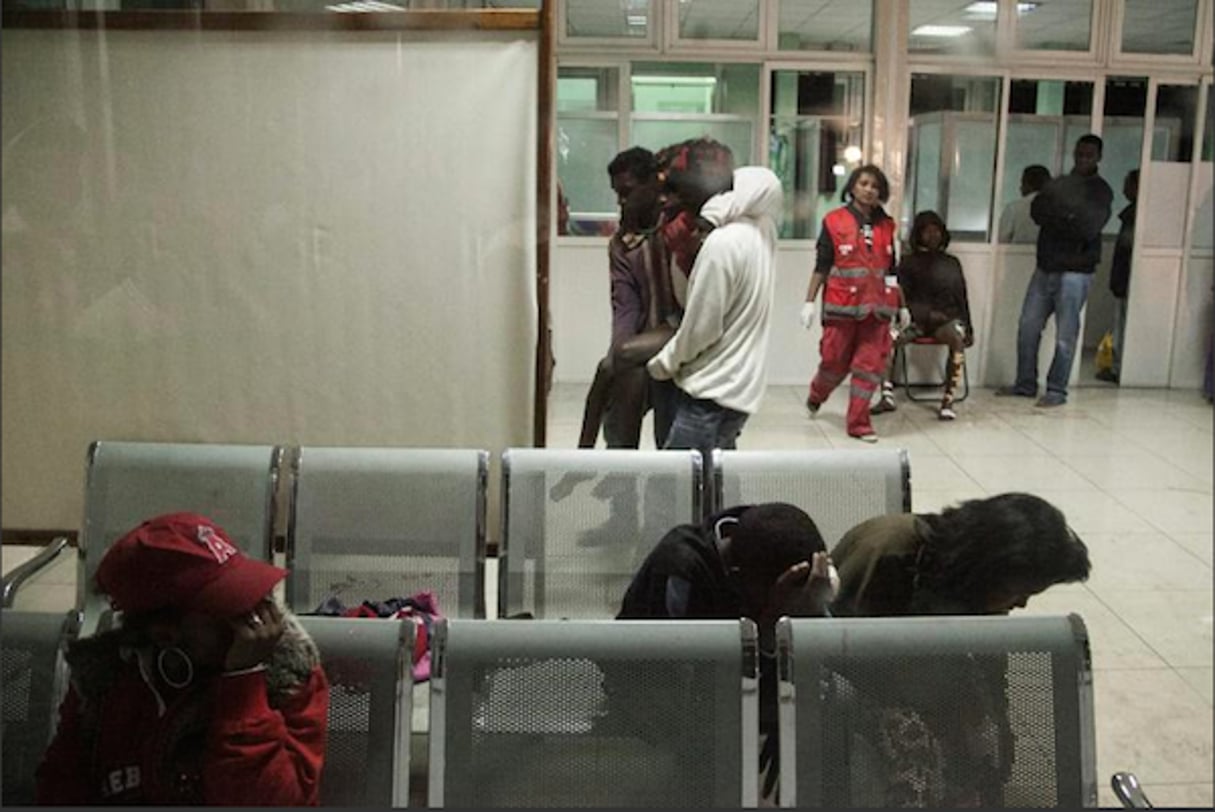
column 249, row 739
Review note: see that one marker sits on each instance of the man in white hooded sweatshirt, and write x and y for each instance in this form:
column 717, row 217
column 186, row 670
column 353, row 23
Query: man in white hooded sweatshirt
column 718, row 356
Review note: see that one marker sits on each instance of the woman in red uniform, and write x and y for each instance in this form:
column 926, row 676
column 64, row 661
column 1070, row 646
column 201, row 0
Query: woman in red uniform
column 855, row 268
column 208, row 694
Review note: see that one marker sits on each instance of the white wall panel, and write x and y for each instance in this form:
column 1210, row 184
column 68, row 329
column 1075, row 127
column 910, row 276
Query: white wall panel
column 1155, row 281
column 289, row 237
column 1195, row 317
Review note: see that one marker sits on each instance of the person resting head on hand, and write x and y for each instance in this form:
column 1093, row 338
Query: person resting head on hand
column 208, row 692
column 755, row 561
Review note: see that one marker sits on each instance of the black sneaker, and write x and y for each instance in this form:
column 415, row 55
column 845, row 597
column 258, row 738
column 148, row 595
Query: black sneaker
column 812, row 406
column 1107, row 375
column 1013, row 392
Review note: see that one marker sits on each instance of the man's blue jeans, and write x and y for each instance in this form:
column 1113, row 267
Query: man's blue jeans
column 1064, row 295
column 704, row 425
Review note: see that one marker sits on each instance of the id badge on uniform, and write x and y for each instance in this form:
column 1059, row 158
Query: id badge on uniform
column 892, row 281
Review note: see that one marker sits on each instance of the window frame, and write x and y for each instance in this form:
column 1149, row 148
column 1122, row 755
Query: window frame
column 1139, row 61
column 865, row 67
column 776, row 53
column 651, row 42
column 673, row 43
column 1098, row 39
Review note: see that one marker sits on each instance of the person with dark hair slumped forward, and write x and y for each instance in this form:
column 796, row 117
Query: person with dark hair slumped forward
column 983, row 557
column 208, row 693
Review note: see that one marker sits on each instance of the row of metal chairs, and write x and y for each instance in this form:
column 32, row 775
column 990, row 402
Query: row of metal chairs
column 374, row 523
column 666, row 713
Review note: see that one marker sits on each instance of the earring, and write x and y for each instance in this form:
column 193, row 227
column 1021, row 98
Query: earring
column 175, row 667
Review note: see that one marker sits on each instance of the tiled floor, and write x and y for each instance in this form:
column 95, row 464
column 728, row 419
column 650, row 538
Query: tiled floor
column 1132, row 469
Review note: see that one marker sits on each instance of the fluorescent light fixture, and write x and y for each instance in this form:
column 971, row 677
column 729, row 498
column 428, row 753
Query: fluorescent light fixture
column 635, row 19
column 941, row 31
column 363, row 6
column 838, row 170
column 987, row 8
column 702, row 81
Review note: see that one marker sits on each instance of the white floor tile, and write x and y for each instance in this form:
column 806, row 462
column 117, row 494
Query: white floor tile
column 1180, row 796
column 1112, row 642
column 1176, row 624
column 1143, row 561
column 924, row 500
column 1200, row 544
column 1026, row 472
column 1200, row 679
column 1129, row 469
column 1096, row 512
column 1172, row 510
column 1151, row 723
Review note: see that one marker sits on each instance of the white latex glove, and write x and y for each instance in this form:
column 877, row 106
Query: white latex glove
column 807, row 315
column 904, row 318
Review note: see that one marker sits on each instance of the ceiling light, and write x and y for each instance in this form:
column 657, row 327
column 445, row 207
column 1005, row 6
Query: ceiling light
column 852, row 154
column 703, row 81
column 635, row 19
column 941, row 31
column 364, row 6
column 987, row 8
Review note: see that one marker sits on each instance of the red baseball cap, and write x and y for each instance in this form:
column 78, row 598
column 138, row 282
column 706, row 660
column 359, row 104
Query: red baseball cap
column 186, row 561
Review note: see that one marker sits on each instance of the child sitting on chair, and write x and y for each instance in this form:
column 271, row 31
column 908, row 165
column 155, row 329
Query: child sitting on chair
column 934, row 290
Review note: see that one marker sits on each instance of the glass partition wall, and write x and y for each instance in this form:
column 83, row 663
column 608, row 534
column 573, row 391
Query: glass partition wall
column 953, row 99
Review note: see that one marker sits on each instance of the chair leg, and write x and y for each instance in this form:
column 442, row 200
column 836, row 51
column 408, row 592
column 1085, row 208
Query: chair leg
column 910, row 388
column 965, row 380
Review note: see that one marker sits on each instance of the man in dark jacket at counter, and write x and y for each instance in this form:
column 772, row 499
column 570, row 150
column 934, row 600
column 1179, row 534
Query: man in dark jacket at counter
column 1070, row 211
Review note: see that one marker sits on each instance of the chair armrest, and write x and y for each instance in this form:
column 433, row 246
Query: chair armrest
column 1130, row 793
column 13, row 581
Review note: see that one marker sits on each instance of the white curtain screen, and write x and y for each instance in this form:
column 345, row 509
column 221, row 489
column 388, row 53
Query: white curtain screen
column 294, row 237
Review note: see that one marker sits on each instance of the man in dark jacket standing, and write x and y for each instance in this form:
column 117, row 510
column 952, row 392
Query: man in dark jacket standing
column 1070, row 211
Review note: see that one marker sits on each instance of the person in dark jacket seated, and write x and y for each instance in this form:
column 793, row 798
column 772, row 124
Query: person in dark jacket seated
column 934, row 290
column 755, row 561
column 208, row 693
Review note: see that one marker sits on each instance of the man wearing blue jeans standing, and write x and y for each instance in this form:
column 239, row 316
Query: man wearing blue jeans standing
column 1070, row 212
column 718, row 356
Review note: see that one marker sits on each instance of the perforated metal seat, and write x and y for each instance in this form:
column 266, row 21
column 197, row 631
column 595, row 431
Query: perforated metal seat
column 378, row 523
column 936, row 712
column 838, row 488
column 34, row 678
column 370, row 693
column 550, row 713
column 576, row 524
column 126, row 483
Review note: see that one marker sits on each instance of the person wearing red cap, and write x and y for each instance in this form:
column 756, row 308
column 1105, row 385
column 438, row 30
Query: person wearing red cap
column 207, row 693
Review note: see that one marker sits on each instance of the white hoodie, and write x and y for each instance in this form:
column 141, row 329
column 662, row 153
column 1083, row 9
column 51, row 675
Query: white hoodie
column 720, row 351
